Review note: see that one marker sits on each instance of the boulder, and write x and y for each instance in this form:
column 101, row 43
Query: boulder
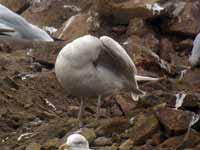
column 33, row 146
column 126, row 105
column 146, row 58
column 127, row 145
column 144, row 126
column 185, row 18
column 17, row 6
column 120, row 12
column 102, row 141
column 157, row 97
column 77, row 26
column 174, row 121
column 50, row 13
column 50, row 144
column 111, row 126
column 166, row 51
column 178, row 142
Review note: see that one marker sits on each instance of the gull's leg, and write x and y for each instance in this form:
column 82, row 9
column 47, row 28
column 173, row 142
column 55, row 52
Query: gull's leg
column 98, row 107
column 81, row 112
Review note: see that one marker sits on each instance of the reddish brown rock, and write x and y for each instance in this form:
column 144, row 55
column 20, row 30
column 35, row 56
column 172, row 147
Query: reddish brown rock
column 178, row 142
column 52, row 14
column 33, row 146
column 137, row 26
column 186, row 19
column 156, row 98
column 123, row 11
column 16, row 5
column 144, row 126
column 174, row 121
column 111, row 126
column 192, row 102
column 146, row 36
column 126, row 104
column 184, row 45
column 166, row 49
column 146, row 59
column 77, row 26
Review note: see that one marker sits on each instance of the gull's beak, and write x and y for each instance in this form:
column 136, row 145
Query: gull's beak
column 64, row 147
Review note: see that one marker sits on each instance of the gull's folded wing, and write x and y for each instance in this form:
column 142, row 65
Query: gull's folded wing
column 118, row 57
column 115, row 56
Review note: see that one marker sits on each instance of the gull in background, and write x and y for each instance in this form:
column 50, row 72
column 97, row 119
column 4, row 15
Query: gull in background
column 194, row 58
column 13, row 25
column 75, row 142
column 96, row 67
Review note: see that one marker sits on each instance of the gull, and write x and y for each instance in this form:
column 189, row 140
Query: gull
column 13, row 25
column 75, row 142
column 194, row 58
column 96, row 67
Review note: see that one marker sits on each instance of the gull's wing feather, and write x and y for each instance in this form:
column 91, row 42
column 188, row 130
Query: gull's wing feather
column 118, row 57
column 119, row 53
column 114, row 56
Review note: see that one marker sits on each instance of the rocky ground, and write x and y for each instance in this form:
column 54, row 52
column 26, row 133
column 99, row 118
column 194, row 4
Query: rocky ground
column 36, row 114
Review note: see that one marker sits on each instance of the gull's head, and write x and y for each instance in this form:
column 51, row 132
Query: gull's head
column 75, row 142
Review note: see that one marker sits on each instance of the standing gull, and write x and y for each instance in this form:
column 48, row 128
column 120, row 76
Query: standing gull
column 93, row 67
column 75, row 142
column 13, row 25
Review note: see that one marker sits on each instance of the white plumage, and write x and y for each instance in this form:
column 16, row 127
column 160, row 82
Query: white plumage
column 75, row 142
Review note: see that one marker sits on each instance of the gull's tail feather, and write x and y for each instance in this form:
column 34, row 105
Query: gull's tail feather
column 145, row 78
column 136, row 94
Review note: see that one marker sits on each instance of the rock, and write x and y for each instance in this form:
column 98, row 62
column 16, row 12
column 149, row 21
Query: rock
column 144, row 147
column 102, row 141
column 151, row 42
column 77, row 26
column 125, row 104
column 166, row 50
column 16, row 5
column 178, row 142
column 186, row 20
column 144, row 126
column 192, row 102
column 190, row 81
column 127, row 145
column 89, row 134
column 175, row 121
column 33, row 146
column 50, row 144
column 146, row 59
column 113, row 147
column 9, row 83
column 138, row 27
column 156, row 98
column 157, row 138
column 111, row 126
column 186, row 44
column 119, row 29
column 123, row 11
column 50, row 13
